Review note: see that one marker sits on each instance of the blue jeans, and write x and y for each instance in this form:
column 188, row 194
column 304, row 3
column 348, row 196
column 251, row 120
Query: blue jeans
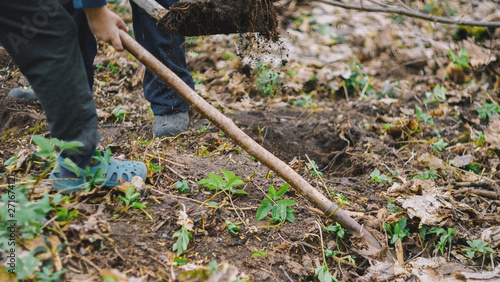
column 166, row 47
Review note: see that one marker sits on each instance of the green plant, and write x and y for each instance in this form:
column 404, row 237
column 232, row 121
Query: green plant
column 421, row 116
column 183, row 236
column 216, row 182
column 391, row 207
column 336, row 228
column 119, row 113
column 488, row 110
column 324, row 275
column 182, row 186
column 131, row 200
column 462, row 60
column 478, row 138
column 438, row 145
column 281, row 210
column 259, row 254
column 232, row 228
column 267, row 80
column 47, row 275
column 427, row 175
column 305, row 102
column 477, row 246
column 444, row 239
column 375, row 175
column 437, row 96
column 204, row 129
column 356, row 81
column 313, row 168
column 397, row 230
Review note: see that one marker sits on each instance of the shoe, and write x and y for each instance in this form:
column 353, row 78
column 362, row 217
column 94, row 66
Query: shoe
column 113, row 173
column 21, row 93
column 170, row 125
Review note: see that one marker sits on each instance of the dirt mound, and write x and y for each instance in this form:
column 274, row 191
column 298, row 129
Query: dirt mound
column 206, row 17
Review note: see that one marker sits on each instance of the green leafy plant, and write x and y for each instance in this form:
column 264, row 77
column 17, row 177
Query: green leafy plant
column 305, row 102
column 427, row 175
column 216, row 182
column 183, row 236
column 281, row 210
column 47, row 275
column 267, row 80
column 259, row 254
column 324, row 275
column 340, row 231
column 460, row 60
column 131, row 200
column 182, row 186
column 391, row 207
column 425, row 117
column 397, row 230
column 445, row 237
column 232, row 228
column 375, row 175
column 438, row 145
column 479, row 247
column 119, row 113
column 437, row 96
column 313, row 168
column 488, row 110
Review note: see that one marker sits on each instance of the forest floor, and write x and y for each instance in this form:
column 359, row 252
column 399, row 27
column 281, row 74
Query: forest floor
column 371, row 109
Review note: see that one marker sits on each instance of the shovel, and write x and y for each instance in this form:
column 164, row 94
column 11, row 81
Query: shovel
column 366, row 246
column 207, row 17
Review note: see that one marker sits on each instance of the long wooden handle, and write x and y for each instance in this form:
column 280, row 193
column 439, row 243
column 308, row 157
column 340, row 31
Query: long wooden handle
column 248, row 144
column 152, row 7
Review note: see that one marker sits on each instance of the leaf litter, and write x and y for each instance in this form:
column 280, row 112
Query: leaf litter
column 340, row 87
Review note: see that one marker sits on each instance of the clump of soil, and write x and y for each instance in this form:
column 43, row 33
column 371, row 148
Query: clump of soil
column 206, row 17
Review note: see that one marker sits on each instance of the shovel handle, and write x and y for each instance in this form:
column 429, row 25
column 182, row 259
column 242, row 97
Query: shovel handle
column 152, row 7
column 249, row 145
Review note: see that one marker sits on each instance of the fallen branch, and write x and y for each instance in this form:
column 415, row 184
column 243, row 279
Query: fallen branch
column 410, row 13
column 370, row 247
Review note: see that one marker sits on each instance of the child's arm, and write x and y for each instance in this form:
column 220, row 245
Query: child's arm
column 103, row 23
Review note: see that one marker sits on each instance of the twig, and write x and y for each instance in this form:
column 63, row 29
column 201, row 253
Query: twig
column 411, row 13
column 286, row 274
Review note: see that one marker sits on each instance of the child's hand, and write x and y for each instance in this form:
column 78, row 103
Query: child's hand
column 105, row 25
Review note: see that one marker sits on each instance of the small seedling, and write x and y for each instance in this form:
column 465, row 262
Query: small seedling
column 259, row 254
column 462, row 60
column 216, row 182
column 479, row 247
column 391, row 207
column 488, row 110
column 183, row 236
column 427, row 175
column 397, row 230
column 280, row 210
column 425, row 117
column 324, row 275
column 439, row 145
column 375, row 175
column 305, row 102
column 182, row 186
column 267, row 80
column 444, row 239
column 313, row 168
column 232, row 228
column 119, row 113
column 437, row 96
column 131, row 201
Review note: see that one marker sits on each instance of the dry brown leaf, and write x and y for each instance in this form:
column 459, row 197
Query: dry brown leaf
column 114, row 274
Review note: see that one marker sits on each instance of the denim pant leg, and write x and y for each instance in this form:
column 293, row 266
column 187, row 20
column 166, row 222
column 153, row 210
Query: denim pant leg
column 169, row 50
column 86, row 40
column 42, row 39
